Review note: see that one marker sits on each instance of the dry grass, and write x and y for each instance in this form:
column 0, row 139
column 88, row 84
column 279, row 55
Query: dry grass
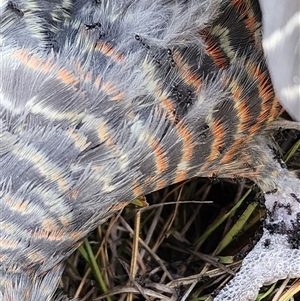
column 185, row 245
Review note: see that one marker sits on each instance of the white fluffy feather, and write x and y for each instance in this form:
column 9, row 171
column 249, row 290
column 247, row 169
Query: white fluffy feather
column 281, row 42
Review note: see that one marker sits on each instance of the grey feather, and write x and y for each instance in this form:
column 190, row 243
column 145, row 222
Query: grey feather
column 81, row 126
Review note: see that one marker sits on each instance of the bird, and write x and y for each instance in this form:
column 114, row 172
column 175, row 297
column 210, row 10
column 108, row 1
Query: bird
column 105, row 101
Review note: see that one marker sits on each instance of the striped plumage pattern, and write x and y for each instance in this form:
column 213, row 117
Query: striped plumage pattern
column 104, row 101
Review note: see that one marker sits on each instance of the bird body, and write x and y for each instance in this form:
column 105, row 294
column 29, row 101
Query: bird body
column 102, row 102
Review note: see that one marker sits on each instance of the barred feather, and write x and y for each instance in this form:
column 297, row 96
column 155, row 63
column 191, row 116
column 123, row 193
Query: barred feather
column 100, row 98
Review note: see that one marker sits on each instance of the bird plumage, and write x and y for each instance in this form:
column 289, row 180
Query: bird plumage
column 102, row 102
